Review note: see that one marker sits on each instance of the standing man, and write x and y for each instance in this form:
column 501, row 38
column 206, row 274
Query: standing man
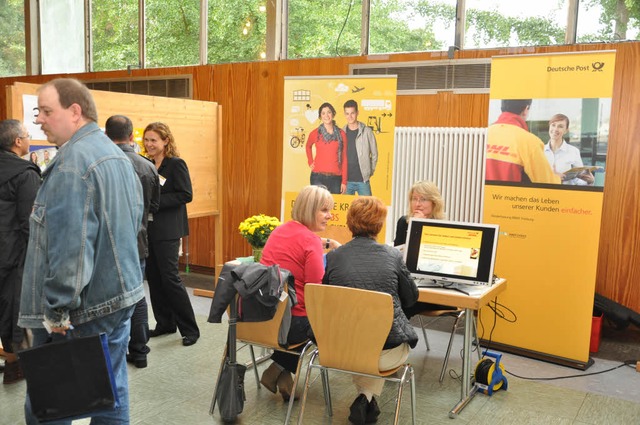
column 120, row 129
column 362, row 152
column 514, row 154
column 19, row 182
column 82, row 265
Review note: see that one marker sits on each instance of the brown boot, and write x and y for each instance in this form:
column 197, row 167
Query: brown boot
column 270, row 377
column 12, row 373
column 285, row 385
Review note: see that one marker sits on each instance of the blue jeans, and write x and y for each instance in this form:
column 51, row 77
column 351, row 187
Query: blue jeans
column 116, row 326
column 363, row 188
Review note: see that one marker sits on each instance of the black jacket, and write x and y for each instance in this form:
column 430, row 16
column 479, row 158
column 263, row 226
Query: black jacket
column 365, row 264
column 401, row 231
column 170, row 221
column 258, row 286
column 19, row 183
column 148, row 176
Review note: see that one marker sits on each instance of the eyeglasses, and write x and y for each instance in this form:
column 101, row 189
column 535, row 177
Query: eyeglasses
column 420, row 200
column 28, row 136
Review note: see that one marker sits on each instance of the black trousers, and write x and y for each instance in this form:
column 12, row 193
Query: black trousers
column 169, row 298
column 332, row 183
column 138, row 348
column 298, row 332
column 10, row 285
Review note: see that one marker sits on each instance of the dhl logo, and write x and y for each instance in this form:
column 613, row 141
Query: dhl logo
column 498, row 150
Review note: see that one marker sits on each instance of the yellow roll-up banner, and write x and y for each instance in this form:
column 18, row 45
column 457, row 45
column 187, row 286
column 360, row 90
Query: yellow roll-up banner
column 375, row 97
column 545, row 174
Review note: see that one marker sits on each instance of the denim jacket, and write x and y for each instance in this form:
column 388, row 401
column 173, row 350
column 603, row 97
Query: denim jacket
column 82, row 259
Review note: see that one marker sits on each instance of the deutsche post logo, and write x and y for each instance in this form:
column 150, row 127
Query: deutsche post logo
column 597, row 66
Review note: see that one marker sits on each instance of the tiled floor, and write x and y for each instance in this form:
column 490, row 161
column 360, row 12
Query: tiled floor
column 177, row 387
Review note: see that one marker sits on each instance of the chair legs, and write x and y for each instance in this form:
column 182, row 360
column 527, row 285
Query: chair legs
column 255, row 365
column 296, row 379
column 424, row 333
column 408, row 375
column 457, row 322
column 446, row 356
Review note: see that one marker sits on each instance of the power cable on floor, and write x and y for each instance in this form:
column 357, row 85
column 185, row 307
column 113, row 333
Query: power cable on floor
column 630, row 363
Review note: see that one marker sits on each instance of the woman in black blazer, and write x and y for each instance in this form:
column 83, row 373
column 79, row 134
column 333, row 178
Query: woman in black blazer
column 169, row 299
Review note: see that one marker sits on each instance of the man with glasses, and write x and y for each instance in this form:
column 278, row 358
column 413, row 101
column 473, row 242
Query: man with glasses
column 19, row 183
column 82, row 275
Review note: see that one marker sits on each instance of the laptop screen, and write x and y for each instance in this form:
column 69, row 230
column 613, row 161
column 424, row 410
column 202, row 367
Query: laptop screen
column 451, row 252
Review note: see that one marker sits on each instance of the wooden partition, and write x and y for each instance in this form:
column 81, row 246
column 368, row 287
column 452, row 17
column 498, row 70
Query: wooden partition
column 251, row 95
column 194, row 123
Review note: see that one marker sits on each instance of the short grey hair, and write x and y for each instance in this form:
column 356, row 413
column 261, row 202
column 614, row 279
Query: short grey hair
column 309, row 201
column 9, row 131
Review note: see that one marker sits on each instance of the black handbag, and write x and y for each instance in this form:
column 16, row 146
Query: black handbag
column 231, row 397
column 71, row 378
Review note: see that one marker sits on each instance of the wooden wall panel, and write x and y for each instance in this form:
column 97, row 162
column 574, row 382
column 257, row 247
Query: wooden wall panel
column 251, row 96
column 444, row 109
column 618, row 266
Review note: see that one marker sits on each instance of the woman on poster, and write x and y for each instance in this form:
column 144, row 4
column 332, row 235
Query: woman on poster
column 329, row 166
column 562, row 156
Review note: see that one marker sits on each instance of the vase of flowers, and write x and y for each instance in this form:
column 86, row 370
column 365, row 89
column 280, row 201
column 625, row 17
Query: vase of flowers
column 256, row 230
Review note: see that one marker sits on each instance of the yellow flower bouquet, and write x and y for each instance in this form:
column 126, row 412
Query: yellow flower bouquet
column 256, row 229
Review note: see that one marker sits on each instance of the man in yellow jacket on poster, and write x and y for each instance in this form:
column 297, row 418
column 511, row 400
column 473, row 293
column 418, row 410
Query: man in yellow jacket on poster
column 514, row 154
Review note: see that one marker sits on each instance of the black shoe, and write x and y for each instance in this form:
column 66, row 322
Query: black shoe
column 12, row 373
column 138, row 362
column 373, row 411
column 157, row 332
column 189, row 340
column 358, row 410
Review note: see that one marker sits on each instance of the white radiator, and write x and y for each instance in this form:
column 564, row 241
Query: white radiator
column 453, row 158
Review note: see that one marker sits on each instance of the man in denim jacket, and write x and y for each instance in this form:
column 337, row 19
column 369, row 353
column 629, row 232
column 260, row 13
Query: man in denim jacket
column 82, row 275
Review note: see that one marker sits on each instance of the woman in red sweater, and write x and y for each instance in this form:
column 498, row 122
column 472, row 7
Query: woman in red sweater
column 329, row 166
column 296, row 247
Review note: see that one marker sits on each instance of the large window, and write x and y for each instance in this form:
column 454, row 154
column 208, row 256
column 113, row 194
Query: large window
column 114, row 27
column 12, row 44
column 173, row 32
column 411, row 25
column 503, row 23
column 608, row 20
column 237, row 31
column 324, row 28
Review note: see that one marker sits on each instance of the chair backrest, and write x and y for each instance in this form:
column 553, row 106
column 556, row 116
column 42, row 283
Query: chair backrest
column 350, row 325
column 263, row 333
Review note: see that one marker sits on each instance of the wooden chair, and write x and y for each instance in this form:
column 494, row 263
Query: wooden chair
column 265, row 335
column 458, row 315
column 351, row 326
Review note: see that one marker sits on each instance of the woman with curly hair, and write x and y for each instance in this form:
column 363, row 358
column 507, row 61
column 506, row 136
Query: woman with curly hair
column 169, row 298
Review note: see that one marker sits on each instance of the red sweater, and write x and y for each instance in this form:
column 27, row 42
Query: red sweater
column 296, row 248
column 326, row 160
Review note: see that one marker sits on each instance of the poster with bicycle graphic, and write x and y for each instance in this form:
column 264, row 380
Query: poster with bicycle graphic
column 339, row 132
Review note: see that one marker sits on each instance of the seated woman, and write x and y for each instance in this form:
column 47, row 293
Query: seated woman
column 294, row 246
column 365, row 264
column 425, row 201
